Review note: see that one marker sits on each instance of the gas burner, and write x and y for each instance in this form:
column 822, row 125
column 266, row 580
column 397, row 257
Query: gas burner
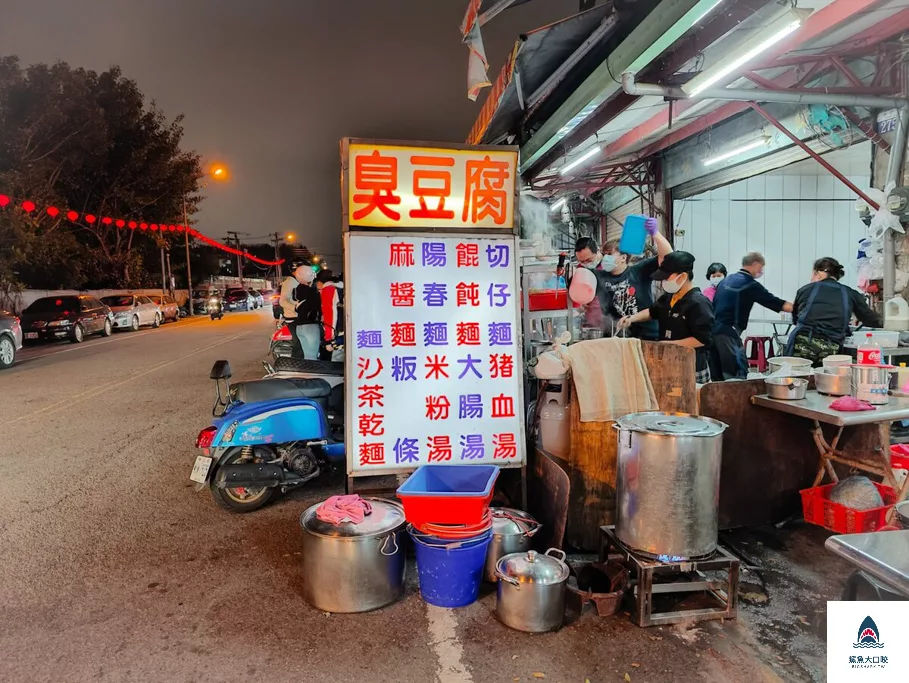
column 710, row 583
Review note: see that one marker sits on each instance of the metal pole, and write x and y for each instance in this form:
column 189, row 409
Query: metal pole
column 895, row 176
column 163, row 275
column 189, row 270
column 170, row 275
column 814, row 155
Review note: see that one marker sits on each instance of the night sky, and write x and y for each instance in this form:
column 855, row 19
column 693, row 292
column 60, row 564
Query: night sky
column 270, row 87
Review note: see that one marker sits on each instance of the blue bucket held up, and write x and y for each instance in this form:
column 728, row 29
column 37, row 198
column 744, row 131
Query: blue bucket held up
column 450, row 571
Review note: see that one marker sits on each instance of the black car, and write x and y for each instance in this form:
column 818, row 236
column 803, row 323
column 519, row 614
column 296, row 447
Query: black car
column 236, row 299
column 66, row 317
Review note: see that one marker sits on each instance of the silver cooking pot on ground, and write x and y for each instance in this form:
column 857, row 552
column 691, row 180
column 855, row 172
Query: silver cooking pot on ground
column 354, row 567
column 512, row 532
column 531, row 592
column 668, row 484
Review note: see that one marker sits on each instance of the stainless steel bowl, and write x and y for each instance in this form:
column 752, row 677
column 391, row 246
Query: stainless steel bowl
column 832, row 381
column 786, row 388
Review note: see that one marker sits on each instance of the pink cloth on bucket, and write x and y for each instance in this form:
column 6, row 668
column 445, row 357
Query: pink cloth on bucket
column 850, row 404
column 339, row 509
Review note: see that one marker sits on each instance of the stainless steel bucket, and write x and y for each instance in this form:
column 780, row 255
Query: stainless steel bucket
column 871, row 383
column 668, row 484
column 354, row 567
column 512, row 532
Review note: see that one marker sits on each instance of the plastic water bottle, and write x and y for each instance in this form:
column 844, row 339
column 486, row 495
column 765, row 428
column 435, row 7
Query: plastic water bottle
column 869, row 353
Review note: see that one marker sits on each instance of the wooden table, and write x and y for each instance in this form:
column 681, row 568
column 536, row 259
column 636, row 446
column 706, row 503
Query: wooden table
column 816, row 407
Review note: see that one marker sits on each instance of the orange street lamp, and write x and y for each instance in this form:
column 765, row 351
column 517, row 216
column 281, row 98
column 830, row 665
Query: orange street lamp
column 290, row 237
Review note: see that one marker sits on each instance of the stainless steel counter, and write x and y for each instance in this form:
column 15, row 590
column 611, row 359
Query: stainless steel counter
column 816, row 406
column 884, row 555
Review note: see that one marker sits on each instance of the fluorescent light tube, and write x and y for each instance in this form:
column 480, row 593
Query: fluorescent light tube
column 735, row 152
column 558, row 205
column 580, row 160
column 785, row 25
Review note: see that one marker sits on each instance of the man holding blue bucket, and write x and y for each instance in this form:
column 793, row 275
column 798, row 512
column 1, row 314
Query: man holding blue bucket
column 629, row 287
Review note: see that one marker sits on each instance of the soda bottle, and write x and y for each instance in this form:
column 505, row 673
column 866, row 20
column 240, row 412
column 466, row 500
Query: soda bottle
column 869, row 353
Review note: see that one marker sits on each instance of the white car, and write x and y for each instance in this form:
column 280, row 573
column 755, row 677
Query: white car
column 132, row 311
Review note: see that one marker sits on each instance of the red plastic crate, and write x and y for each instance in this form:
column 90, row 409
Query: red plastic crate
column 548, row 299
column 899, row 456
column 820, row 510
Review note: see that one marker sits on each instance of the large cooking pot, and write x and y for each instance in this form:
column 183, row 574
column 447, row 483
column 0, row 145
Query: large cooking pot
column 512, row 532
column 531, row 592
column 668, row 484
column 354, row 567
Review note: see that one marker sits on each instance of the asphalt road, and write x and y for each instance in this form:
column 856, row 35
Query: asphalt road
column 113, row 568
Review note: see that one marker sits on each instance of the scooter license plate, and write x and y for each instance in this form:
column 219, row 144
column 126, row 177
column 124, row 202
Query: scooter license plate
column 200, row 469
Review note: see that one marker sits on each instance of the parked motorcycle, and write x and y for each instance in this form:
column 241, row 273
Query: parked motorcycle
column 281, row 341
column 267, row 435
column 215, row 307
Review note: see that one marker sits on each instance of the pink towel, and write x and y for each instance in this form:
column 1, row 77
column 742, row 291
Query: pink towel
column 339, row 509
column 850, row 404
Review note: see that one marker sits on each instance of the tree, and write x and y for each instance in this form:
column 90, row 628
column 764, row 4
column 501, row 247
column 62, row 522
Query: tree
column 77, row 139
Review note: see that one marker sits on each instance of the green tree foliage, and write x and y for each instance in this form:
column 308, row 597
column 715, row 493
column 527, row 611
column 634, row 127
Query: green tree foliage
column 89, row 142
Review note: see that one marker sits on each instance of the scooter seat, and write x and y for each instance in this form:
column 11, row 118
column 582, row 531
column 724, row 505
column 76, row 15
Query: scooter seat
column 258, row 390
column 309, row 367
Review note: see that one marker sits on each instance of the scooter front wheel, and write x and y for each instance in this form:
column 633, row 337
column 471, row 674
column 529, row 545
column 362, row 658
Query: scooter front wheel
column 241, row 499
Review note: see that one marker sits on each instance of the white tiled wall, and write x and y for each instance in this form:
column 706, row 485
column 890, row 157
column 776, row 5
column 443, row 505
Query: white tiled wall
column 791, row 219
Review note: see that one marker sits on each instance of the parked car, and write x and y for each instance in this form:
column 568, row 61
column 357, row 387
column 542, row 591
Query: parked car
column 168, row 305
column 257, row 297
column 237, row 299
column 10, row 339
column 132, row 311
column 270, row 297
column 66, row 317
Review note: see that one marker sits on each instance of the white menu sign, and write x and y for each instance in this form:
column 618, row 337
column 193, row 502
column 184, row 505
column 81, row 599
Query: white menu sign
column 433, row 362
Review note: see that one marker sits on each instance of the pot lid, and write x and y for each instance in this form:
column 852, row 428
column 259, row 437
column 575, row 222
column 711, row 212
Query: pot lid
column 532, row 567
column 509, row 522
column 678, row 424
column 385, row 516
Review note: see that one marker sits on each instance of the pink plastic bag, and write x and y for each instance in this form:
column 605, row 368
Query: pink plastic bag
column 851, row 404
column 583, row 286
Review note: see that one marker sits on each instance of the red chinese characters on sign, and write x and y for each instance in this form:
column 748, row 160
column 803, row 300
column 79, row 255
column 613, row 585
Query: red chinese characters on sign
column 468, row 255
column 468, row 294
column 403, row 334
column 403, row 186
column 468, row 334
column 432, row 183
column 503, row 406
column 371, row 396
column 369, row 368
column 371, row 424
column 403, row 294
column 437, row 408
column 501, row 365
column 401, row 255
column 372, row 454
column 439, row 448
column 486, row 193
column 378, row 176
column 505, row 445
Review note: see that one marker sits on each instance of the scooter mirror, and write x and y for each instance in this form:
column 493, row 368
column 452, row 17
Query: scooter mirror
column 220, row 370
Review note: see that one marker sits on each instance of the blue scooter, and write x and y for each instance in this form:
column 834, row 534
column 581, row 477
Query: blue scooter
column 268, row 435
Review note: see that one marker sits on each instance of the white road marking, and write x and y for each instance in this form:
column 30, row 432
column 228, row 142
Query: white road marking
column 97, row 391
column 443, row 634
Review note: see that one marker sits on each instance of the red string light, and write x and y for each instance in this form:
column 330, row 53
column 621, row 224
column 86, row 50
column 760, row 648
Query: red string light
column 73, row 216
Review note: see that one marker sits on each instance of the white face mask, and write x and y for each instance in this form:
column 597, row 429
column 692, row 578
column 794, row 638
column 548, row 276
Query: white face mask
column 672, row 286
column 592, row 263
column 609, row 263
column 716, row 279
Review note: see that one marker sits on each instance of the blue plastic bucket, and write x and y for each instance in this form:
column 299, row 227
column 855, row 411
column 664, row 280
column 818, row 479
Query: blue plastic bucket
column 634, row 235
column 450, row 571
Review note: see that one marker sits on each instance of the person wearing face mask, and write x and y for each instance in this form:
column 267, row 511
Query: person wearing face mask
column 716, row 272
column 629, row 286
column 683, row 314
column 735, row 296
column 822, row 311
column 597, row 311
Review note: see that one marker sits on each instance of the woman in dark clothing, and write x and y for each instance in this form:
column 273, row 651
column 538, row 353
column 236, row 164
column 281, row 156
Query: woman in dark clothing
column 683, row 314
column 822, row 311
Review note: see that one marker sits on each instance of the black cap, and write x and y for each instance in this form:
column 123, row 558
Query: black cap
column 674, row 262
